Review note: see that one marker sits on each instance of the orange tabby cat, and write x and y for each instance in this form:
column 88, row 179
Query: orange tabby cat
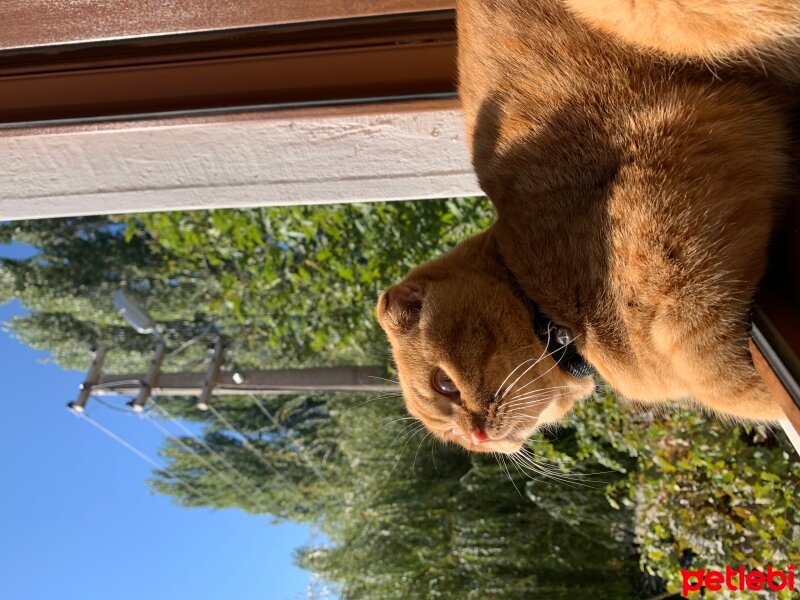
column 636, row 160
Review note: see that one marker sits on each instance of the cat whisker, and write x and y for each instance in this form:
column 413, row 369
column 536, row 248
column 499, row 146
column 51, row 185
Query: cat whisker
column 578, row 478
column 555, row 364
column 396, row 382
column 393, row 421
column 511, row 373
column 535, row 392
column 514, row 369
column 407, row 425
column 381, row 396
column 538, row 377
column 537, row 472
column 528, row 463
column 422, row 441
column 522, row 411
column 533, row 397
column 529, row 457
column 519, row 419
column 400, row 454
column 530, row 472
column 553, row 387
column 408, row 434
column 516, row 466
column 520, row 414
column 504, row 467
column 407, row 431
column 433, row 458
column 527, row 402
column 582, row 476
column 535, row 475
column 510, row 387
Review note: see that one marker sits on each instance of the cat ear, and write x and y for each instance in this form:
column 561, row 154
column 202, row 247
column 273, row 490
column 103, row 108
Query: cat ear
column 401, row 305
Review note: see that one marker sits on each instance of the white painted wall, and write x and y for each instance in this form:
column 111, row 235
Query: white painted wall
column 254, row 160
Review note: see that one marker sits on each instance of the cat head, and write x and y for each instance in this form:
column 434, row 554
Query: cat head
column 471, row 365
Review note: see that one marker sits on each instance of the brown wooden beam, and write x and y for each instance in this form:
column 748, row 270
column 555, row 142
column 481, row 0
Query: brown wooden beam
column 31, row 23
column 398, row 56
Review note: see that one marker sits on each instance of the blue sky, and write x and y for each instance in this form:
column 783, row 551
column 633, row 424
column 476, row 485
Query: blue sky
column 77, row 520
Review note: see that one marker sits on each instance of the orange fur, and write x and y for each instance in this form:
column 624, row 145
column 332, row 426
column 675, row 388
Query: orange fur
column 635, row 198
column 759, row 32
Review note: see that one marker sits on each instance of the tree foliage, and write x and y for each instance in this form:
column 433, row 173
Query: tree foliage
column 704, row 493
column 407, row 517
column 289, row 286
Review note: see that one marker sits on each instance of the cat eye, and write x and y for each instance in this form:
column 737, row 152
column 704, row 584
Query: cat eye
column 442, row 383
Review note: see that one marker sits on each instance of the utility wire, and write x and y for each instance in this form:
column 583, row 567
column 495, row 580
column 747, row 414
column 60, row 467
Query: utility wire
column 202, row 459
column 247, row 444
column 173, row 353
column 299, row 445
column 166, row 414
column 125, row 444
column 120, row 441
column 188, row 343
column 126, row 411
column 113, row 384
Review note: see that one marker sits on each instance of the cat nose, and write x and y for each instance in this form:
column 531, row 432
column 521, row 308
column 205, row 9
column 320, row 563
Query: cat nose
column 479, row 436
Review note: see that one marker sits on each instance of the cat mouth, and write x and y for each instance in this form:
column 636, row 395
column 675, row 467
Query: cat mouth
column 478, row 436
column 479, row 441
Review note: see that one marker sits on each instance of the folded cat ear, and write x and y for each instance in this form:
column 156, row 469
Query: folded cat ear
column 400, row 306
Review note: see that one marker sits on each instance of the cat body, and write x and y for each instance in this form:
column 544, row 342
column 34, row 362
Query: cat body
column 635, row 195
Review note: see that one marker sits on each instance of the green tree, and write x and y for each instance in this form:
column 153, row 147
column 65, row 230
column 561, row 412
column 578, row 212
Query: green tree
column 288, row 286
column 407, row 517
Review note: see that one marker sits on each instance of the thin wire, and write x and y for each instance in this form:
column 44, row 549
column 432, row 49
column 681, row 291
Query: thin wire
column 120, row 441
column 112, row 384
column 191, row 366
column 188, row 448
column 126, row 411
column 164, row 412
column 289, row 436
column 186, row 344
column 125, row 444
column 249, row 446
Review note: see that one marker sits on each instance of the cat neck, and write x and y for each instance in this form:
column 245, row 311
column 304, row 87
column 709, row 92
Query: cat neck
column 548, row 331
column 562, row 275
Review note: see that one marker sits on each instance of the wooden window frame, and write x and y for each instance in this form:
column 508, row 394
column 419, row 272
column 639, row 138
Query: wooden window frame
column 347, row 61
column 42, row 23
